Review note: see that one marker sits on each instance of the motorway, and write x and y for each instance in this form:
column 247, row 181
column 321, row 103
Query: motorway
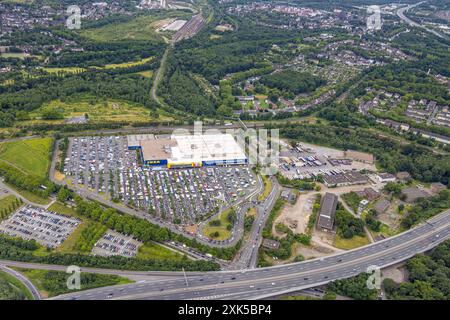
column 266, row 282
column 401, row 14
column 27, row 283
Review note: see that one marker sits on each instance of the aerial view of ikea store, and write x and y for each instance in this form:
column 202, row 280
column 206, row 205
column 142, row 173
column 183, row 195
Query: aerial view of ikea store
column 180, row 151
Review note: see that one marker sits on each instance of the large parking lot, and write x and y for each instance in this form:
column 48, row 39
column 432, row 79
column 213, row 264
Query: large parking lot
column 114, row 243
column 48, row 228
column 104, row 165
column 306, row 161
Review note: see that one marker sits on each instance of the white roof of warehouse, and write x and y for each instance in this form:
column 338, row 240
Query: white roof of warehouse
column 206, row 147
column 134, row 140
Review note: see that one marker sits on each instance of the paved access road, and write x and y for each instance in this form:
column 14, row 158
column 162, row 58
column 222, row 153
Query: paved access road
column 33, row 290
column 266, row 282
column 248, row 255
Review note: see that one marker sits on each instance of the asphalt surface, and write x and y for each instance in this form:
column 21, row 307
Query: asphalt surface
column 266, row 282
column 248, row 255
column 33, row 290
column 242, row 206
column 134, row 275
column 237, row 230
column 24, row 200
column 401, row 14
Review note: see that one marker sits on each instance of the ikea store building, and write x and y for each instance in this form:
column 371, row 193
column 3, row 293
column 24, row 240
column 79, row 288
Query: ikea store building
column 187, row 150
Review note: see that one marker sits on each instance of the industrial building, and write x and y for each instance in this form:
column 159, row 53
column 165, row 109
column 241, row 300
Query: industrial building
column 327, row 212
column 187, row 150
column 347, row 178
column 413, row 193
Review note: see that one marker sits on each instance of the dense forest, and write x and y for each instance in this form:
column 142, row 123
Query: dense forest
column 8, row 291
column 425, row 208
column 348, row 225
column 103, row 53
column 33, row 93
column 428, row 277
column 355, row 288
column 235, row 54
column 21, row 180
column 184, row 94
column 292, row 81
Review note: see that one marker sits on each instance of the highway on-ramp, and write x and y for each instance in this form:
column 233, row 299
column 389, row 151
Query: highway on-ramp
column 267, row 282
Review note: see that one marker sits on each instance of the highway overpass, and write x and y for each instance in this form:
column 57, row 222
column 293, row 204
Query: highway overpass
column 266, row 282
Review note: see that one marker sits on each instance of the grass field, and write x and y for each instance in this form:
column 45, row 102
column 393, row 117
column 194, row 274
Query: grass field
column 222, row 229
column 19, row 55
column 385, row 231
column 82, row 239
column 7, row 205
column 16, row 284
column 74, row 70
column 100, row 111
column 155, row 251
column 64, row 70
column 68, row 245
column 267, row 188
column 17, row 1
column 7, row 82
column 146, row 73
column 53, row 283
column 62, row 209
column 29, row 156
column 30, row 196
column 347, row 244
column 251, row 212
column 128, row 64
column 140, row 28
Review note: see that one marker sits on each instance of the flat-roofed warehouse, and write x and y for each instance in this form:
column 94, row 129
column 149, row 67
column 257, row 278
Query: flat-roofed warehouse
column 327, row 212
column 345, row 179
column 134, row 141
column 189, row 150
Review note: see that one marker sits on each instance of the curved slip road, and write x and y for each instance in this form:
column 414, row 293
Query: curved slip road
column 267, row 282
column 27, row 283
